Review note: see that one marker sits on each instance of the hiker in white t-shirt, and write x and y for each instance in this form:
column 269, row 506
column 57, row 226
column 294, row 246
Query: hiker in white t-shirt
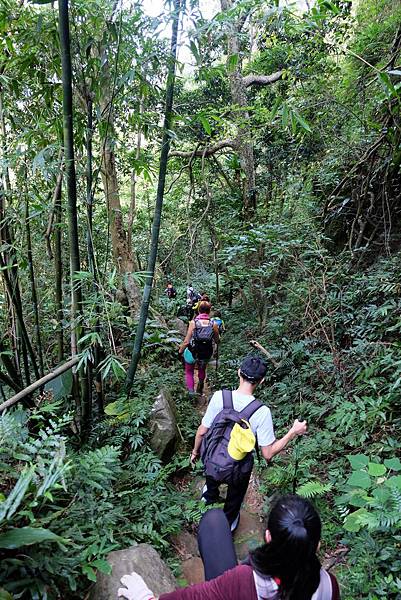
column 251, row 372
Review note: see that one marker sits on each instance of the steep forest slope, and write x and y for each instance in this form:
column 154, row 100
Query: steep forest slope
column 282, row 201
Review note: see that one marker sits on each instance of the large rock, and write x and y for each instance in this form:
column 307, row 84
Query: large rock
column 144, row 560
column 178, row 325
column 163, row 426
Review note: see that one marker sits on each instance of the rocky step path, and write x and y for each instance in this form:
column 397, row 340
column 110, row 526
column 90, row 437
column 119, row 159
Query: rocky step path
column 249, row 534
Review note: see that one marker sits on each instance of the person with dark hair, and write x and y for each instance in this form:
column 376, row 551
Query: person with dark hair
column 251, row 373
column 197, row 347
column 202, row 297
column 193, row 298
column 170, row 291
column 286, row 567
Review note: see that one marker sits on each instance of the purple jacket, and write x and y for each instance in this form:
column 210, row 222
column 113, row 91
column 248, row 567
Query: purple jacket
column 235, row 584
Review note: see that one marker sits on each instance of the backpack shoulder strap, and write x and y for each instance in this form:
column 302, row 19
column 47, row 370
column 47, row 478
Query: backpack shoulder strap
column 249, row 410
column 227, row 399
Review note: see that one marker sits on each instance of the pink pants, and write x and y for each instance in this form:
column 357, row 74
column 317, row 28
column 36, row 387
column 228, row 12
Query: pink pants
column 189, row 375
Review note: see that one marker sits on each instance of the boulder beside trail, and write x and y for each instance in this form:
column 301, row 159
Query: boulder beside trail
column 163, row 426
column 144, row 560
column 178, row 325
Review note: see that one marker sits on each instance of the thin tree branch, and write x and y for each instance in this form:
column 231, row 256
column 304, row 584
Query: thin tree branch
column 207, row 151
column 249, row 80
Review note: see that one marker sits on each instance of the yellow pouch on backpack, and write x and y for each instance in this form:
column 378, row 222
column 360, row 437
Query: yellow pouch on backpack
column 242, row 441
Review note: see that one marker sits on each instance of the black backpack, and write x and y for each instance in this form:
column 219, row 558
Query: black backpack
column 201, row 345
column 216, row 460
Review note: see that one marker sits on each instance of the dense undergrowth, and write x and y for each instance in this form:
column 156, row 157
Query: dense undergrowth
column 334, row 334
column 339, row 366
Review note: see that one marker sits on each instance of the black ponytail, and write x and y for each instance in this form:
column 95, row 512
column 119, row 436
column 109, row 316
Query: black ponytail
column 295, row 530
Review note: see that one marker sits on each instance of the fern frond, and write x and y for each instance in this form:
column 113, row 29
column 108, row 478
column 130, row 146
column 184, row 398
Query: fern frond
column 311, row 489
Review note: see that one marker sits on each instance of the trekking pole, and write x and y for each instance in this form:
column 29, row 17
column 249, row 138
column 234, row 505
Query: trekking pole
column 217, row 357
column 296, row 451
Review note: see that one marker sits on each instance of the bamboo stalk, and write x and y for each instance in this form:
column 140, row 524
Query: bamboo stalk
column 136, row 352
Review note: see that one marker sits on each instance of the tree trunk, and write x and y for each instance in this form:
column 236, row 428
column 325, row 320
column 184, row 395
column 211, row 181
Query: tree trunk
column 9, row 269
column 58, row 266
column 33, row 283
column 91, row 256
column 239, row 96
column 123, row 258
column 7, row 183
column 159, row 201
column 83, row 406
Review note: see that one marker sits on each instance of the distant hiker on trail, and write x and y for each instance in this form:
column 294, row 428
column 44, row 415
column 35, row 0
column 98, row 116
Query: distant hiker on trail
column 170, row 291
column 197, row 347
column 284, row 567
column 192, row 298
column 233, row 424
column 203, row 297
column 216, row 318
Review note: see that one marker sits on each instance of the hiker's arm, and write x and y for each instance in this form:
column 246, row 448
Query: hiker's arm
column 187, row 339
column 202, row 430
column 216, row 334
column 299, row 428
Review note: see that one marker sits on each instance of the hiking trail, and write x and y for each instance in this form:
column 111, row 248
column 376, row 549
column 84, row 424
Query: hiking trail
column 250, row 531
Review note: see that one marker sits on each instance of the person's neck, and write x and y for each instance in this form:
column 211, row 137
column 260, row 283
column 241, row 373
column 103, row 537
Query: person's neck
column 246, row 388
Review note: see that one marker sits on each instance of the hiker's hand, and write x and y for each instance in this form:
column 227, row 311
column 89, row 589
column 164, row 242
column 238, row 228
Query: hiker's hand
column 193, row 458
column 135, row 588
column 299, row 428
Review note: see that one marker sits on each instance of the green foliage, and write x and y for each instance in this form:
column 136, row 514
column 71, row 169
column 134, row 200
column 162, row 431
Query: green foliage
column 66, row 510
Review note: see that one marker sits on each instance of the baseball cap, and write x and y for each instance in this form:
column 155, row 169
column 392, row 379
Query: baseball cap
column 253, row 368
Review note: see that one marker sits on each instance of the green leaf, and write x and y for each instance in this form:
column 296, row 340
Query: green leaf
column 394, row 481
column 102, row 565
column 117, row 408
column 376, row 469
column 205, row 124
column 304, row 125
column 89, row 572
column 360, row 479
column 61, row 386
column 284, row 115
column 26, row 536
column 232, row 62
column 352, row 522
column 394, row 464
column 10, row 506
column 358, row 461
column 387, row 84
column 195, row 52
column 5, row 595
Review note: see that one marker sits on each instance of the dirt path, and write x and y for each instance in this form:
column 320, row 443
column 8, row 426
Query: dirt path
column 249, row 533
